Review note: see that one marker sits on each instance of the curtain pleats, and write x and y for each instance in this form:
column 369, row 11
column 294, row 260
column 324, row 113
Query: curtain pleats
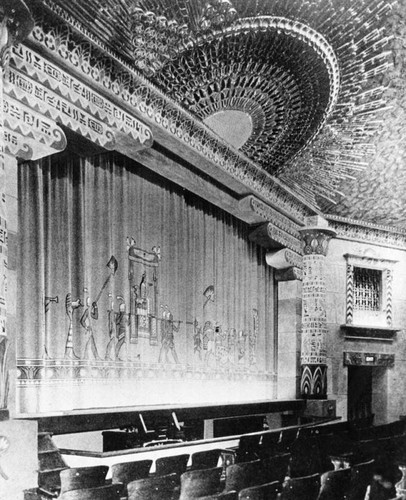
column 126, row 277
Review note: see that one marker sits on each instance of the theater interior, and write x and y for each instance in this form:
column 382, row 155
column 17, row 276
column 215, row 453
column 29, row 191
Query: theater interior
column 203, row 249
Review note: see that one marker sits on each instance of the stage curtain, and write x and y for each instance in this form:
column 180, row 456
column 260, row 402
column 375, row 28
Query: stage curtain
column 133, row 291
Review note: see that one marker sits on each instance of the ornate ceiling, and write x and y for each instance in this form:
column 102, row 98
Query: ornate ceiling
column 302, row 84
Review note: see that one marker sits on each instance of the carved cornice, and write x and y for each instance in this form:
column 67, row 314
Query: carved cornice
column 370, row 333
column 285, row 239
column 350, row 229
column 112, row 75
column 191, row 36
column 45, row 89
column 370, row 261
column 270, row 214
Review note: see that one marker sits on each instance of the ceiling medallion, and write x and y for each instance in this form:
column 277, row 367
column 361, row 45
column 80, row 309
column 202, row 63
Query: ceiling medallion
column 232, row 125
column 282, row 73
column 310, row 75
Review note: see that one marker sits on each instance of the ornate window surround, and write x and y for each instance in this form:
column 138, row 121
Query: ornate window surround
column 383, row 318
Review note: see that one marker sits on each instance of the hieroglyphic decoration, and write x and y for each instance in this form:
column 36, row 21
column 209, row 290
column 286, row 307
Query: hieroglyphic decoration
column 382, row 314
column 285, row 239
column 112, row 74
column 41, row 99
column 368, row 359
column 143, row 279
column 349, row 229
column 30, row 135
column 85, row 98
column 314, row 317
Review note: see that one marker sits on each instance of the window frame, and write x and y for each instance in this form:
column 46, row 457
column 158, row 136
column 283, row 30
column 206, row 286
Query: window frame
column 383, row 317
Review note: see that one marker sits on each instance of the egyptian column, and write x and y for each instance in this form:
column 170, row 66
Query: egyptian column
column 316, row 236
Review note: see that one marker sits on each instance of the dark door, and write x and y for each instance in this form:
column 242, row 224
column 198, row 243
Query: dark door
column 359, row 392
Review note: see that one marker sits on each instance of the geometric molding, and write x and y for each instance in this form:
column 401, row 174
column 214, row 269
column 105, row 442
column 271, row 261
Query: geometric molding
column 270, row 236
column 51, row 91
column 364, row 232
column 313, row 383
column 28, row 134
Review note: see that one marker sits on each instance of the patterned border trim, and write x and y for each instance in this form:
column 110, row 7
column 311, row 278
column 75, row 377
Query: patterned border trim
column 350, row 294
column 389, row 297
column 28, row 134
column 117, row 77
column 313, row 383
column 270, row 214
column 353, row 230
column 384, row 265
column 284, row 238
column 58, row 371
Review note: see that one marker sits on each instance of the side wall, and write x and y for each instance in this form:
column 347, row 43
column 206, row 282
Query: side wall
column 389, row 384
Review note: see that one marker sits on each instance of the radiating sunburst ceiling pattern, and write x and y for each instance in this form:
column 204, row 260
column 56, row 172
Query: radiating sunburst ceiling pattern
column 307, row 72
column 281, row 73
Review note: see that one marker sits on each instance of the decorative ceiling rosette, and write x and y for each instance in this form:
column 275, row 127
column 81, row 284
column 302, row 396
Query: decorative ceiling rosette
column 294, row 86
column 281, row 76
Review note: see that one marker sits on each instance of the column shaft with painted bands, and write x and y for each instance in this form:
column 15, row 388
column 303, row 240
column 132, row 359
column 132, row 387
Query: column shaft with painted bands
column 313, row 382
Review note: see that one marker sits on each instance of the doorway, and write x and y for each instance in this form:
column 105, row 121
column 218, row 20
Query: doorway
column 359, row 392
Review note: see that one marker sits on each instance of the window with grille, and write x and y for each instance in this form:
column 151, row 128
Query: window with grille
column 367, row 289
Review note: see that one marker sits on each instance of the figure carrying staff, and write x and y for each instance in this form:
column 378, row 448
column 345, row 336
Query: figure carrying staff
column 168, row 338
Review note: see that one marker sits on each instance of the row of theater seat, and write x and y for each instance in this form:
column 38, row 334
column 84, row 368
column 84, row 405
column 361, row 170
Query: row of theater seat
column 290, row 464
column 255, row 480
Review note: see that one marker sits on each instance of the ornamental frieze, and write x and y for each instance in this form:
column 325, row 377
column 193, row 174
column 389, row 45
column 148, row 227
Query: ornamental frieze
column 28, row 134
column 270, row 214
column 351, row 230
column 43, row 100
column 284, row 238
column 76, row 92
column 97, row 64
